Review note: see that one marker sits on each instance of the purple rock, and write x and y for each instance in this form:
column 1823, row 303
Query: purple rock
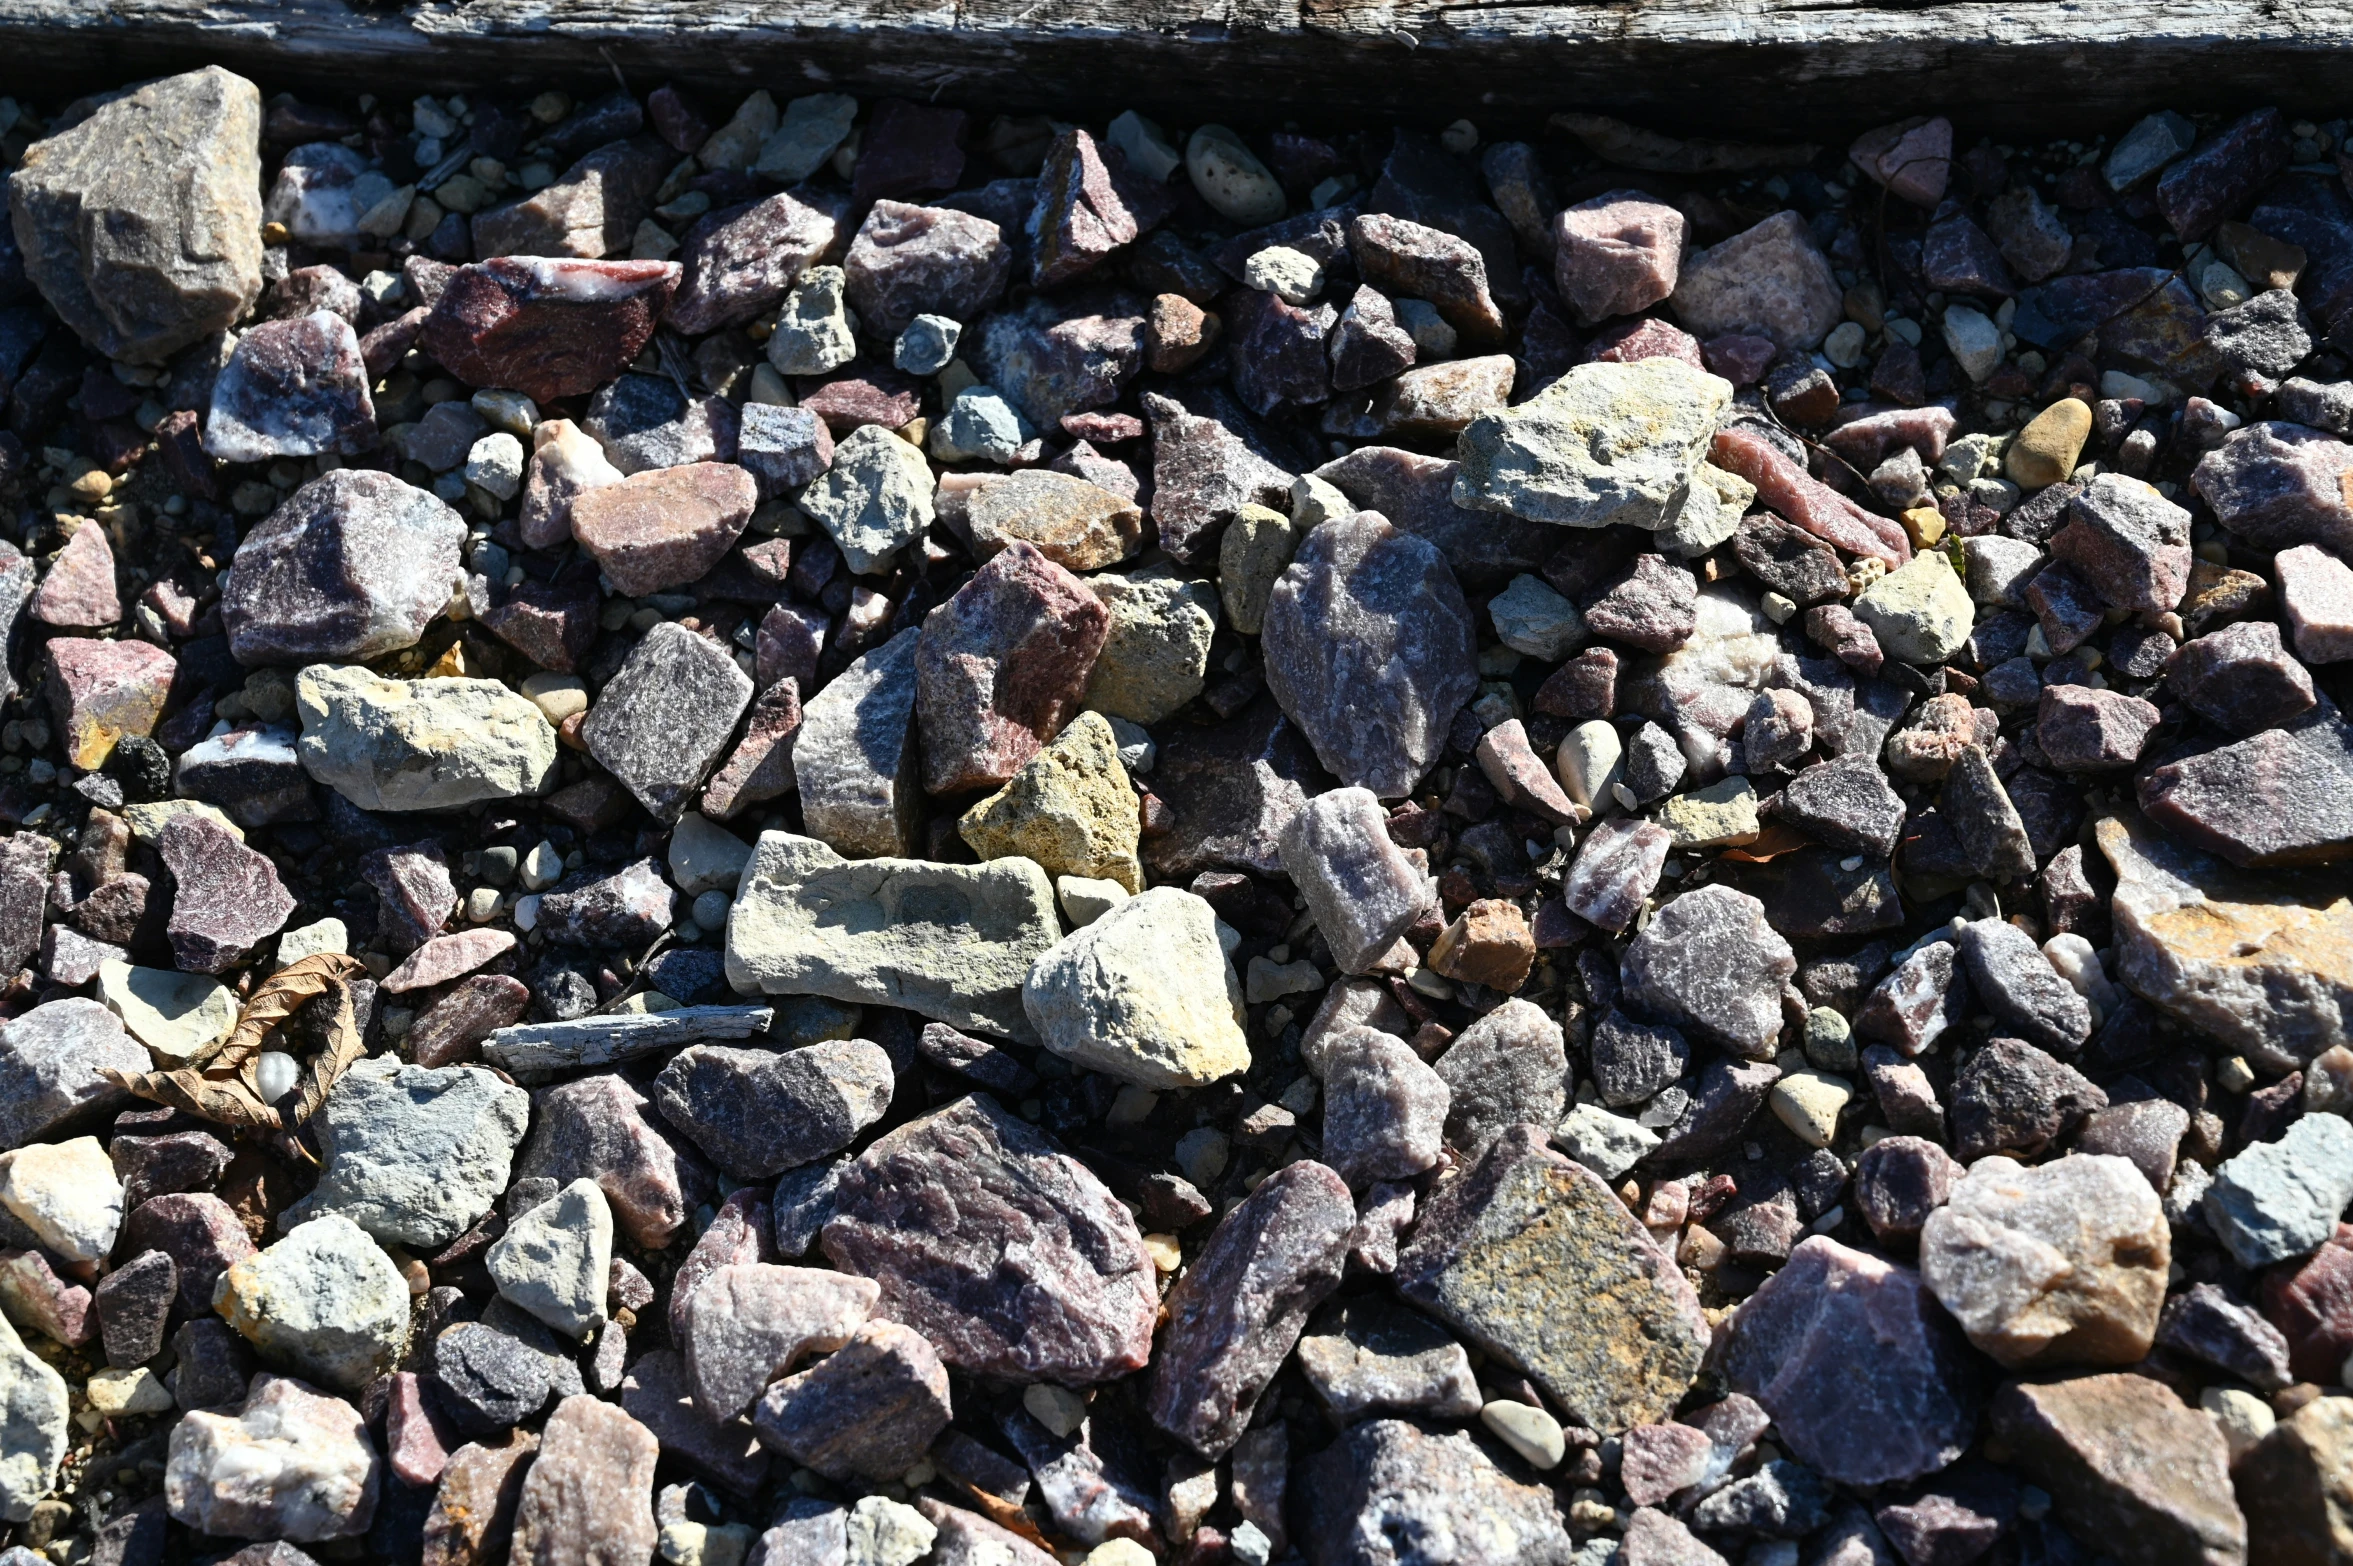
column 547, row 328
column 2283, row 797
column 2129, row 542
column 1384, row 1110
column 2214, row 181
column 1913, row 1005
column 1087, row 207
column 1708, row 961
column 2083, row 729
column 908, row 261
column 1865, row 1377
column 658, row 1394
column 1002, row 1249
column 1056, row 356
column 1617, row 253
column 292, row 389
column 1726, row 1098
column 413, row 888
column 2014, row 980
column 1002, row 666
column 1652, row 604
column 352, row 565
column 226, row 898
column 1205, row 467
column 1367, row 345
column 660, row 723
column 1370, row 649
column 2013, row 1098
column 199, row 1232
column 1240, row 1307
column 627, row 908
column 760, row 768
column 1233, row 787
column 135, row 1305
column 1410, row 259
column 1415, row 494
column 644, row 422
column 2277, row 485
column 1509, row 1068
column 868, row 1411
column 1616, row 869
column 1899, row 1181
column 1362, row 890
column 1281, row 352
column 596, row 1128
column 2240, row 678
column 756, row 1113
column 747, row 1325
column 741, row 260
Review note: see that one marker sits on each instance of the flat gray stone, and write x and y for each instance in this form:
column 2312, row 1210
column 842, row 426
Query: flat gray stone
column 556, row 1260
column 413, row 1156
column 2279, row 1200
column 49, row 1060
column 420, row 744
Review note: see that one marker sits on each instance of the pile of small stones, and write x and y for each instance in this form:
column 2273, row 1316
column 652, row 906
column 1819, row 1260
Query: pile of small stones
column 1099, row 843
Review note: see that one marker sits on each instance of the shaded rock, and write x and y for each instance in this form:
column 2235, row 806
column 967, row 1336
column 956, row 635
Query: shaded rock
column 1367, row 1356
column 595, row 1128
column 546, row 328
column 2128, row 1465
column 1388, row 1494
column 854, row 760
column 413, row 1156
column 1000, row 666
column 867, row 1411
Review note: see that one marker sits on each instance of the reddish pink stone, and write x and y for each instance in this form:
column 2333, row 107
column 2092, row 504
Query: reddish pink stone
column 1520, row 777
column 226, row 898
column 2316, row 592
column 36, row 1298
column 202, row 1235
column 1002, row 666
column 1912, row 158
column 1739, row 357
column 664, row 527
column 2312, row 1305
column 1103, row 426
column 101, row 691
column 1087, row 208
column 547, row 328
column 1616, row 254
column 1801, row 498
column 863, row 394
column 1867, row 432
column 1647, row 338
column 417, row 1437
column 595, row 1128
column 761, row 767
column 79, row 592
column 451, row 1028
column 446, row 957
column 1662, row 1459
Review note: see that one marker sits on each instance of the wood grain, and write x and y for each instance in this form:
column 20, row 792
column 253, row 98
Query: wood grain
column 1778, row 68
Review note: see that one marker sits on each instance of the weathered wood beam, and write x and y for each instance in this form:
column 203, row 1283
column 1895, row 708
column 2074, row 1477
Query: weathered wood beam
column 1759, row 67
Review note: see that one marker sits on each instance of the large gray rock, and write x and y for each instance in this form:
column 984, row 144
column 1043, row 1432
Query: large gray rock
column 875, row 499
column 1604, row 445
column 1371, row 650
column 855, row 760
column 414, row 1156
column 324, row 1302
column 556, row 1260
column 420, row 744
column 142, row 225
column 1391, row 1494
column 354, row 564
column 951, row 942
column 2280, row 1200
column 49, row 1060
column 1144, row 993
column 32, row 1426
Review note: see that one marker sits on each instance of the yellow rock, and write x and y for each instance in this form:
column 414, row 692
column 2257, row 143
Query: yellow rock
column 1070, row 808
column 2045, row 451
column 1925, row 524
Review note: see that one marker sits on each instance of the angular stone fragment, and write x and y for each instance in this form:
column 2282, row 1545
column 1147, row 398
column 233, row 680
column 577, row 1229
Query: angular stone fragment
column 420, row 745
column 595, row 1128
column 1596, row 1315
column 1073, row 523
column 761, row 766
column 141, row 224
column 1709, row 961
column 588, row 1498
column 2240, row 678
column 741, row 260
column 1388, row 1492
column 1204, row 470
column 661, row 721
column 291, row 1464
column 2129, row 541
column 1000, row 667
column 1369, row 649
column 1088, row 206
column 2294, row 1486
column 2127, row 1464
column 50, row 1058
column 1384, row 1110
column 1984, row 819
column 473, row 1513
column 759, row 1112
column 952, row 942
column 747, row 1325
column 325, row 1302
column 594, row 208
column 1367, row 1356
column 1361, row 889
column 1899, row 1182
column 1616, row 254
column 1240, row 1307
column 2274, row 799
column 2012, row 978
column 1070, row 809
column 2010, row 1096
column 546, row 328
column 555, row 1260
column 1605, row 444
column 414, row 1157
column 1920, row 612
column 1058, row 356
column 2082, row 729
column 1488, row 943
column 2316, row 592
column 666, row 527
column 226, row 899
column 854, row 760
column 1144, row 993
column 1155, row 654
column 1770, row 280
column 1805, row 501
column 2062, row 1264
column 79, row 591
column 1616, row 869
column 2280, row 1200
column 102, row 692
column 868, row 1411
column 1407, row 259
column 1001, row 1249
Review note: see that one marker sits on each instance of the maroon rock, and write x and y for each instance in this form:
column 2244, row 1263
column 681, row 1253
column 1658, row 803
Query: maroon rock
column 863, row 394
column 1240, row 1307
column 1801, row 499
column 761, row 766
column 658, row 1394
column 554, row 624
column 1056, row 356
column 626, row 908
column 1520, row 777
column 2215, row 180
column 226, row 898
column 1087, row 207
column 413, row 890
column 666, row 527
column 1232, row 789
column 1899, row 1181
column 2284, row 797
column 38, row 1300
column 547, row 328
column 908, row 261
column 1402, row 257
column 2240, row 678
column 867, row 1411
column 1865, row 1377
column 103, row 691
column 741, row 260
column 2131, row 543
column 1205, row 467
column 1617, row 254
column 1002, row 666
column 2083, row 729
column 449, row 1028
column 1584, row 687
column 1367, row 345
column 2065, row 605
column 292, row 388
column 354, row 564
column 596, row 1128
column 737, row 1236
column 418, row 1437
column 1281, row 352
column 2312, row 1305
column 787, row 645
column 1652, row 604
column 1925, row 995
column 2277, row 485
column 1630, row 342
column 1008, row 1254
column 1370, row 649
column 79, row 593
column 1739, row 357
column 1660, row 1460
column 200, row 1233
column 1912, row 158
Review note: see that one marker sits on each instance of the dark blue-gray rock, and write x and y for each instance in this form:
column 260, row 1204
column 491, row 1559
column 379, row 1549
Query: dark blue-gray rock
column 757, row 1112
column 661, row 722
column 1633, row 1060
column 1899, row 1181
column 645, row 422
column 487, row 1380
column 1371, row 650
